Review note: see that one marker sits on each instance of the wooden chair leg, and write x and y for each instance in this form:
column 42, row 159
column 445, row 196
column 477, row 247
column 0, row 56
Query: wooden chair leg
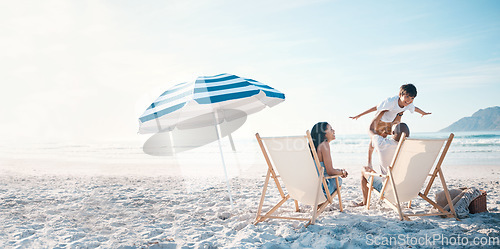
column 263, row 196
column 338, row 194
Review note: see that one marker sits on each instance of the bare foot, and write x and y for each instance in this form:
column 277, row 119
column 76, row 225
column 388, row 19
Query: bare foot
column 319, row 205
column 359, row 204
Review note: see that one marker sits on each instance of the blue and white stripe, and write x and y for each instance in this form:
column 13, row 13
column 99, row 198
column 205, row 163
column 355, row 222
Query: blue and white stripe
column 209, row 90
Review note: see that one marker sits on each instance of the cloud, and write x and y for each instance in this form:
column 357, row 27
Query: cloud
column 420, row 47
column 467, row 76
column 76, row 62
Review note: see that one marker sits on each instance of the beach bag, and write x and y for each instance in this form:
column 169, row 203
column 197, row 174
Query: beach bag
column 462, row 199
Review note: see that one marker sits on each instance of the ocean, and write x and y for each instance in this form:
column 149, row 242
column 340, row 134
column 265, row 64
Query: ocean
column 468, row 148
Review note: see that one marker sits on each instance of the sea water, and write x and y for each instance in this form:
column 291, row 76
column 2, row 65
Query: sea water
column 467, row 148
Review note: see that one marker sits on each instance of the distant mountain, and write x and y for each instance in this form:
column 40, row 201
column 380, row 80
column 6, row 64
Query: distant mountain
column 483, row 120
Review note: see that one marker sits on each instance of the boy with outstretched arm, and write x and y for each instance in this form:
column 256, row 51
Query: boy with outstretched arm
column 390, row 111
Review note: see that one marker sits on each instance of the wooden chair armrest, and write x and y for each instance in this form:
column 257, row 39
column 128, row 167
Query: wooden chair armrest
column 374, row 174
column 330, row 177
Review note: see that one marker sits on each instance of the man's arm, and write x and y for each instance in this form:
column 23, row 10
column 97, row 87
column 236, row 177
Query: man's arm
column 374, row 125
column 421, row 112
column 370, row 152
column 397, row 119
column 364, row 113
column 372, row 132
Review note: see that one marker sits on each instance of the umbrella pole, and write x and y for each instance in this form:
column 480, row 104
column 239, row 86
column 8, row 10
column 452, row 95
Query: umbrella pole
column 231, row 141
column 224, row 164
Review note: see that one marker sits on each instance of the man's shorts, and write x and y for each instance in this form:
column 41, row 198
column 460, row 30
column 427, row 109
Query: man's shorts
column 378, row 182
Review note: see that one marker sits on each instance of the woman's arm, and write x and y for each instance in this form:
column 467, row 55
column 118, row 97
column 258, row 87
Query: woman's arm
column 324, row 150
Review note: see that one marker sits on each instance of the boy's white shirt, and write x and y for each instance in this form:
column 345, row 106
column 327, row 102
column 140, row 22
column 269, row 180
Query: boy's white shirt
column 392, row 107
column 386, row 147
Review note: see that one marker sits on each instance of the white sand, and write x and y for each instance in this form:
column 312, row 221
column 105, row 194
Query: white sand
column 88, row 205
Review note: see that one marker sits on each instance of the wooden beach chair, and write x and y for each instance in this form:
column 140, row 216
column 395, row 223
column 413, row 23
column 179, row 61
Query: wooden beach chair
column 291, row 157
column 411, row 166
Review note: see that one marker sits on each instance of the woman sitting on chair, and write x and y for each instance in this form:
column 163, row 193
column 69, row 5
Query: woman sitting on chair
column 322, row 134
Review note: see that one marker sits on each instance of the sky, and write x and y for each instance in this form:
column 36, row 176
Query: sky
column 85, row 70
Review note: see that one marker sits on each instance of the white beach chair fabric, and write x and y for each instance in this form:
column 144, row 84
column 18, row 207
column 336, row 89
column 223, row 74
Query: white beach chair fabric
column 412, row 164
column 293, row 160
column 301, row 176
column 412, row 167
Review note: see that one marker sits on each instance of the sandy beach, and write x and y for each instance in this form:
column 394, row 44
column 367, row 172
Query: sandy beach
column 135, row 124
column 91, row 205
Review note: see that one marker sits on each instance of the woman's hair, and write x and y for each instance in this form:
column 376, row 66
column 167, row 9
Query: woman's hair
column 318, row 133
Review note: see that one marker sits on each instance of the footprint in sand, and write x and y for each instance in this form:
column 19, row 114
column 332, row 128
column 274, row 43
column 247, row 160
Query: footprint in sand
column 102, row 239
column 74, row 237
column 152, row 234
column 117, row 224
column 24, row 234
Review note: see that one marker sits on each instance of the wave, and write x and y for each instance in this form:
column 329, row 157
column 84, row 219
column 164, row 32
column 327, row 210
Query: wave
column 473, row 151
column 478, row 145
column 481, row 136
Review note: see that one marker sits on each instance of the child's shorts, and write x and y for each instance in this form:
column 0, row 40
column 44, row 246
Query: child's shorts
column 383, row 126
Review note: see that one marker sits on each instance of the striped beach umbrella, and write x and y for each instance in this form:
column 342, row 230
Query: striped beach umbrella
column 208, row 101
